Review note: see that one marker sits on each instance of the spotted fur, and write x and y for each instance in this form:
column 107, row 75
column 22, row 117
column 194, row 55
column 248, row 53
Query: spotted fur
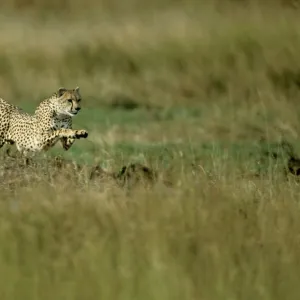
column 51, row 122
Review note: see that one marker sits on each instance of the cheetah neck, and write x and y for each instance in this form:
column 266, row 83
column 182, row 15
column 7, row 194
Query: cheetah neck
column 46, row 109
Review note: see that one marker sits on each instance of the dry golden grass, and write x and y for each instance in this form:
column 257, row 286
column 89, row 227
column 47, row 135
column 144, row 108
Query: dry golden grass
column 206, row 237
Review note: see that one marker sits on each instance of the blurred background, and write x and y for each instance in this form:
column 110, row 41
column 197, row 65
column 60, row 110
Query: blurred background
column 235, row 63
column 163, row 52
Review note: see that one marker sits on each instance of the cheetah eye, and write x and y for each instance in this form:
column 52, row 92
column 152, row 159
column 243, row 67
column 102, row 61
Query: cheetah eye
column 70, row 100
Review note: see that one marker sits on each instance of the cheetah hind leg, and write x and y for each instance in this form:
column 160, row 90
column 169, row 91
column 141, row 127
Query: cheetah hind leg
column 8, row 150
column 20, row 154
column 5, row 141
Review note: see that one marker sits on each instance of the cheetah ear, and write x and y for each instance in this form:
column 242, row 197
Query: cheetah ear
column 61, row 91
column 77, row 89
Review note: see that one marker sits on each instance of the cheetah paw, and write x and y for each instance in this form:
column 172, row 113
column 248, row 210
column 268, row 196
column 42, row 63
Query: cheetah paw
column 81, row 134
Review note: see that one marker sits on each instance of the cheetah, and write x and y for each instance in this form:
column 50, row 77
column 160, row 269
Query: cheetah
column 51, row 122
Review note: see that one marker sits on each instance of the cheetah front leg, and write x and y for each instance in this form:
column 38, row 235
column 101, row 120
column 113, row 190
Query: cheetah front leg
column 49, row 140
column 67, row 143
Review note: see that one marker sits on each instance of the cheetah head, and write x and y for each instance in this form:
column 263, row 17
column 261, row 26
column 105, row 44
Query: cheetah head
column 68, row 101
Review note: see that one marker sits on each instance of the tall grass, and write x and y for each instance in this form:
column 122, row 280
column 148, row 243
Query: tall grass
column 210, row 238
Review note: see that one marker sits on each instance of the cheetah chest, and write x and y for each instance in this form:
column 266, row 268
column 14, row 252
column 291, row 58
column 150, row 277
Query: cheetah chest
column 57, row 124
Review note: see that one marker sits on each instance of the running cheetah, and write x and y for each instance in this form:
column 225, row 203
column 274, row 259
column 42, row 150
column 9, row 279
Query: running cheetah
column 52, row 121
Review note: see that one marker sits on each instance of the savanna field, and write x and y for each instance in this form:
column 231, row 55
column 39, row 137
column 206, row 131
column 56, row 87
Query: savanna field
column 180, row 190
